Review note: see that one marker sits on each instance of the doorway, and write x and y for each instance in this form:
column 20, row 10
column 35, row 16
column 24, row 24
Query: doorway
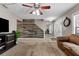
column 76, row 23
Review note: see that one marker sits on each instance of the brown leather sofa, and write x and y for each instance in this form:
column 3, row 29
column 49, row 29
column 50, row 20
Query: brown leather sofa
column 69, row 44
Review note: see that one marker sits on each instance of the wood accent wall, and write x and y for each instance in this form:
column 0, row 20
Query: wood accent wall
column 29, row 30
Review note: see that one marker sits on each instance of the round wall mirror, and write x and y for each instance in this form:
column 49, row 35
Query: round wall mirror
column 67, row 22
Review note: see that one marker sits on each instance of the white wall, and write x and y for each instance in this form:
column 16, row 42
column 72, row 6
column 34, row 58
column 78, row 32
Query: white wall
column 68, row 30
column 4, row 13
column 42, row 24
column 50, row 28
column 58, row 27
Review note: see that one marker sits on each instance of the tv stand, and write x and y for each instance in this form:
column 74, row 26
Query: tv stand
column 7, row 40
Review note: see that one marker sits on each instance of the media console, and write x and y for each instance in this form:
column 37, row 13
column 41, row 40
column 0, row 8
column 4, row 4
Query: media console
column 7, row 40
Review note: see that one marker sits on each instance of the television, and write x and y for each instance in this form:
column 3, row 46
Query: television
column 4, row 25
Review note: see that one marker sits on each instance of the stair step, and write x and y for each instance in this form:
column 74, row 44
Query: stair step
column 29, row 29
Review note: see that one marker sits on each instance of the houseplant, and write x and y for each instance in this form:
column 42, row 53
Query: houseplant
column 17, row 34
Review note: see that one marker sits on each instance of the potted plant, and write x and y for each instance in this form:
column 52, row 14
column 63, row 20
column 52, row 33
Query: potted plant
column 17, row 34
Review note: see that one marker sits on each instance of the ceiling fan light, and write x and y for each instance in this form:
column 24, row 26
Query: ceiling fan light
column 34, row 12
column 37, row 12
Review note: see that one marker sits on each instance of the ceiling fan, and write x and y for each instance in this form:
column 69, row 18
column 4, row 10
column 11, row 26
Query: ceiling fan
column 37, row 8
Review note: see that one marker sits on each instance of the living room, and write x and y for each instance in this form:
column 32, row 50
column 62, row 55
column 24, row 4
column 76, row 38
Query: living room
column 45, row 32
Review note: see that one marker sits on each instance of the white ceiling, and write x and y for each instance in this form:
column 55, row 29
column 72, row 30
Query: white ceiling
column 56, row 10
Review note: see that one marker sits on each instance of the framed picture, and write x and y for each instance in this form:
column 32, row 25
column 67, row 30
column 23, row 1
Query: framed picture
column 67, row 22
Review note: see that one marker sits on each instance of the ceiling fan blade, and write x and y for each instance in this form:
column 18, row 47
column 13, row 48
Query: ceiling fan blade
column 41, row 12
column 31, row 12
column 45, row 7
column 26, row 5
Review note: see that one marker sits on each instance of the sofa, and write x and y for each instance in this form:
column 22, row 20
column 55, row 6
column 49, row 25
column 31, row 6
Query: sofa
column 69, row 44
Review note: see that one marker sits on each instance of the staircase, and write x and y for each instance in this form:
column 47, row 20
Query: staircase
column 30, row 30
column 42, row 24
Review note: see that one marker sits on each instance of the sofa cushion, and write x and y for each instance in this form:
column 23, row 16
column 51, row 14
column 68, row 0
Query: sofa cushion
column 72, row 46
column 68, row 44
column 64, row 38
column 74, row 39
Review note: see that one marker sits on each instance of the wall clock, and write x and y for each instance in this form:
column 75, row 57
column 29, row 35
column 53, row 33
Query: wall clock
column 67, row 22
